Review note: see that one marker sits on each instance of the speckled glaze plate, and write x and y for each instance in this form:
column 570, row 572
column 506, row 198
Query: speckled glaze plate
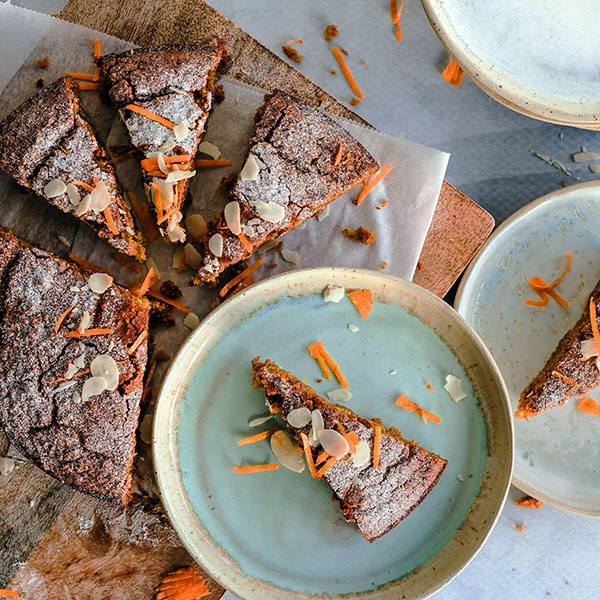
column 512, row 51
column 278, row 535
column 556, row 453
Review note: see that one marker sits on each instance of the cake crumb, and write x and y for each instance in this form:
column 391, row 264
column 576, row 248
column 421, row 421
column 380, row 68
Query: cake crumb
column 529, row 502
column 219, row 94
column 292, row 54
column 419, row 266
column 40, row 83
column 170, row 290
column 330, row 32
column 344, row 52
column 384, row 203
column 520, row 527
column 383, row 264
column 43, row 62
column 354, row 102
column 333, row 72
column 362, row 235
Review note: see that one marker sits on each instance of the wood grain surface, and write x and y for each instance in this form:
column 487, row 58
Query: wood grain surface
column 58, row 543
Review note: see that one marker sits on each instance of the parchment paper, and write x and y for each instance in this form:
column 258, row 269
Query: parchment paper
column 411, row 189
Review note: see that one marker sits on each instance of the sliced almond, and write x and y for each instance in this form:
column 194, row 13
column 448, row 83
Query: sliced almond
column 290, row 256
column 454, row 388
column 588, row 349
column 85, row 321
column 259, row 421
column 299, row 417
column 162, row 165
column 363, row 454
column 175, row 176
column 55, row 188
column 104, row 366
column 324, row 213
column 196, row 225
column 269, row 211
column 193, row 258
column 333, row 443
column 151, row 264
column 99, row 282
column 167, row 146
column 232, row 217
column 210, row 150
column 333, row 293
column 250, row 170
column 191, row 320
column 99, row 197
column 176, row 234
column 285, row 452
column 92, row 387
column 215, row 244
column 339, row 395
column 73, row 194
column 166, row 192
column 178, row 257
column 181, row 131
column 83, row 206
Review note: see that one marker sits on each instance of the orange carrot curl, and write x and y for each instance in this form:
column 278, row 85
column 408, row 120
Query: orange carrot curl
column 347, row 74
column 363, row 301
column 403, row 401
column 453, row 74
column 396, row 12
column 183, row 584
column 256, row 468
column 62, row 318
column 543, row 290
column 89, row 332
column 369, row 185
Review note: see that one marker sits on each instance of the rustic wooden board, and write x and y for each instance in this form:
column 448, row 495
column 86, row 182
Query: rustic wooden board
column 58, row 543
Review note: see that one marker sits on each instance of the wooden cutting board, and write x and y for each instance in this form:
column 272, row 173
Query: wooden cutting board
column 58, row 543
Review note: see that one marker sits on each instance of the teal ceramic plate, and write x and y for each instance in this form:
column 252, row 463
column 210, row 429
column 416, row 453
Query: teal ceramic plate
column 557, row 452
column 278, row 534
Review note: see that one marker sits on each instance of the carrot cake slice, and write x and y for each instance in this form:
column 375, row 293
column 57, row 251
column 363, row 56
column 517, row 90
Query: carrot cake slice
column 73, row 351
column 571, row 371
column 299, row 160
column 47, row 145
column 378, row 477
column 164, row 95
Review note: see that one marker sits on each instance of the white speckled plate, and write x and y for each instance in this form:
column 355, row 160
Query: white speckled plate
column 557, row 452
column 538, row 57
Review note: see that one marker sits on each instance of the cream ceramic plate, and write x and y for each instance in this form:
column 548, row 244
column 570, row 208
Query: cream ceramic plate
column 538, row 57
column 278, row 535
column 557, row 452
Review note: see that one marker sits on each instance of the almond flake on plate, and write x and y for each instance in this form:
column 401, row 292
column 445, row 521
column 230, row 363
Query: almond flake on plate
column 150, row 263
column 333, row 293
column 585, row 156
column 290, row 256
column 176, row 234
column 196, row 225
column 285, row 452
column 259, row 421
column 353, row 328
column 55, row 188
column 324, row 213
column 178, row 257
column 267, row 246
column 193, row 258
column 454, row 388
column 191, row 320
column 210, row 150
column 6, row 465
column 64, row 241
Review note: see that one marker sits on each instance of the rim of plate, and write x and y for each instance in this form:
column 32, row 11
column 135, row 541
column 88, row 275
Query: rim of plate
column 463, row 294
column 503, row 89
column 483, row 513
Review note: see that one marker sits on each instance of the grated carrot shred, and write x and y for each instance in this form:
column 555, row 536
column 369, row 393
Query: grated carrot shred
column 62, row 318
column 183, row 584
column 83, row 184
column 205, row 162
column 296, row 41
column 263, row 435
column 594, row 324
column 453, row 74
column 396, row 13
column 147, row 163
column 403, row 401
column 166, row 216
column 10, row 593
column 347, row 74
column 274, row 409
column 145, row 284
column 129, row 264
column 590, row 406
column 157, row 201
column 231, row 283
column 363, row 301
column 150, row 115
column 322, row 457
column 88, row 265
column 110, row 222
column 82, row 76
column 140, row 338
column 144, row 218
column 97, row 55
column 376, row 447
column 565, row 378
column 369, row 185
column 338, row 156
column 308, row 455
column 334, row 368
column 73, row 376
column 120, row 157
column 330, row 462
column 167, row 300
column 88, row 85
column 89, row 332
column 256, row 468
column 569, row 260
column 315, row 351
column 247, row 245
column 429, row 387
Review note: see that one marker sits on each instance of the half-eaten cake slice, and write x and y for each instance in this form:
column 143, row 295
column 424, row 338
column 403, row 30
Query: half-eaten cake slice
column 378, row 477
column 73, row 351
column 164, row 94
column 47, row 145
column 572, row 369
column 299, row 160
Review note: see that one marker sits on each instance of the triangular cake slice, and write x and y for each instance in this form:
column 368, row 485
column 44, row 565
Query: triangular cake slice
column 79, row 427
column 299, row 160
column 376, row 500
column 164, row 94
column 569, row 372
column 47, row 145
